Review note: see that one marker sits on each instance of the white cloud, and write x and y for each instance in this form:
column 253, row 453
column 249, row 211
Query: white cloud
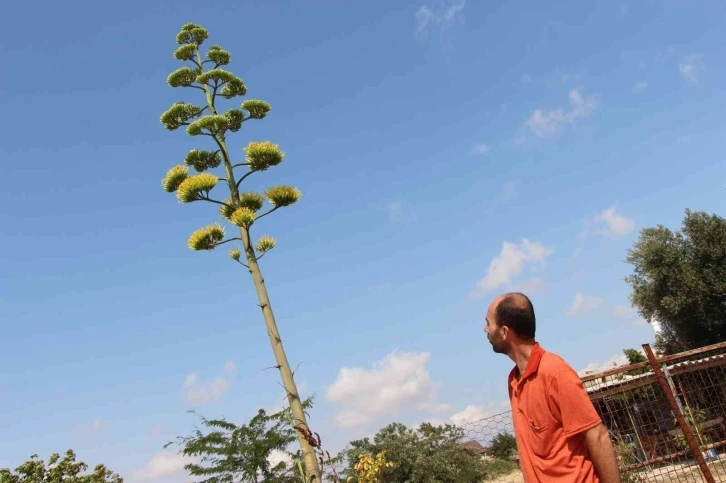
column 511, row 261
column 690, row 68
column 584, row 303
column 276, row 457
column 595, row 367
column 230, row 368
column 626, row 312
column 398, row 383
column 161, row 465
column 613, row 224
column 473, row 413
column 480, row 149
column 640, row 87
column 544, row 123
column 438, row 17
column 528, row 287
column 201, row 392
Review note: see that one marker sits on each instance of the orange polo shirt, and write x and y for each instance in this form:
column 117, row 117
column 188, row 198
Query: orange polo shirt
column 550, row 411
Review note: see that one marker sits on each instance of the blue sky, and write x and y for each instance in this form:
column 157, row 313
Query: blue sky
column 447, row 151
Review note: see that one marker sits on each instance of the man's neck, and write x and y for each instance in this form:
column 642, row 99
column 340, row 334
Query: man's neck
column 520, row 355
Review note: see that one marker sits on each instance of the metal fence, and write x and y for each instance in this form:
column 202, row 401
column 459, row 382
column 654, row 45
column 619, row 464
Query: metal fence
column 666, row 418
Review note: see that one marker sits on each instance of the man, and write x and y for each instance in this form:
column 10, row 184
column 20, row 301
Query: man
column 560, row 436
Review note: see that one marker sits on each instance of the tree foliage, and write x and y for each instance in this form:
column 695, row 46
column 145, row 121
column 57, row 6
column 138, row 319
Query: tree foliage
column 427, row 455
column 503, row 446
column 58, row 470
column 227, row 452
column 679, row 280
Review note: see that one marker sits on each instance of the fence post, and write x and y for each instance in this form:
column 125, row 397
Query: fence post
column 675, row 407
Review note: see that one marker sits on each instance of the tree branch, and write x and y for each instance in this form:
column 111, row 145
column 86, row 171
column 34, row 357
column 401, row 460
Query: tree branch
column 204, row 198
column 240, row 164
column 243, row 177
column 243, row 264
column 226, row 241
column 267, row 213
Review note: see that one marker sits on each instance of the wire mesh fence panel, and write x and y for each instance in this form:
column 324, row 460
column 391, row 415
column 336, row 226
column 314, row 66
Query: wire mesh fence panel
column 493, row 440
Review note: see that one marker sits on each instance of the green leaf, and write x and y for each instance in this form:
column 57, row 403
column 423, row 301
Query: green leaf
column 280, row 196
column 194, row 186
column 174, row 177
column 206, row 238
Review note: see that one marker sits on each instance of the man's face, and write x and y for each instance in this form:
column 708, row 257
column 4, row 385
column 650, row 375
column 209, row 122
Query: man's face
column 497, row 335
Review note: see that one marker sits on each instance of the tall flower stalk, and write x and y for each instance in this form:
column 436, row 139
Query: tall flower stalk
column 240, row 209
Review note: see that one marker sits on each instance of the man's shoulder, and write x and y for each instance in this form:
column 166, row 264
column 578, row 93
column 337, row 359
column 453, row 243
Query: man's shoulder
column 552, row 364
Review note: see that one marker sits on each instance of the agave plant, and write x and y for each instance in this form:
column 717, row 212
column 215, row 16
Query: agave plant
column 242, row 210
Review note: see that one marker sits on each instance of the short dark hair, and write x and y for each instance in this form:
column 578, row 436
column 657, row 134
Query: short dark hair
column 516, row 311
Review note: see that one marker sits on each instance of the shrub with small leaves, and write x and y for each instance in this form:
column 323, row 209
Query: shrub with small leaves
column 242, row 217
column 257, row 109
column 174, row 177
column 251, row 200
column 206, row 238
column 262, row 155
column 280, row 196
column 192, row 188
column 265, row 243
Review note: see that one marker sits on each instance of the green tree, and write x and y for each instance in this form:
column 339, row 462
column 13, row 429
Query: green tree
column 503, row 446
column 241, row 209
column 241, row 453
column 57, row 470
column 430, row 454
column 679, row 279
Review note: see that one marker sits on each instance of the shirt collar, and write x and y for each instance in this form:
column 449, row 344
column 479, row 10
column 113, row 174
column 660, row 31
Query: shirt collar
column 532, row 364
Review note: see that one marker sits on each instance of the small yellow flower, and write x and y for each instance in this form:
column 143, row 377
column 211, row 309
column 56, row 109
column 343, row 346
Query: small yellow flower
column 192, row 187
column 242, row 217
column 206, row 238
column 174, row 177
column 262, row 155
column 280, row 196
column 265, row 243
